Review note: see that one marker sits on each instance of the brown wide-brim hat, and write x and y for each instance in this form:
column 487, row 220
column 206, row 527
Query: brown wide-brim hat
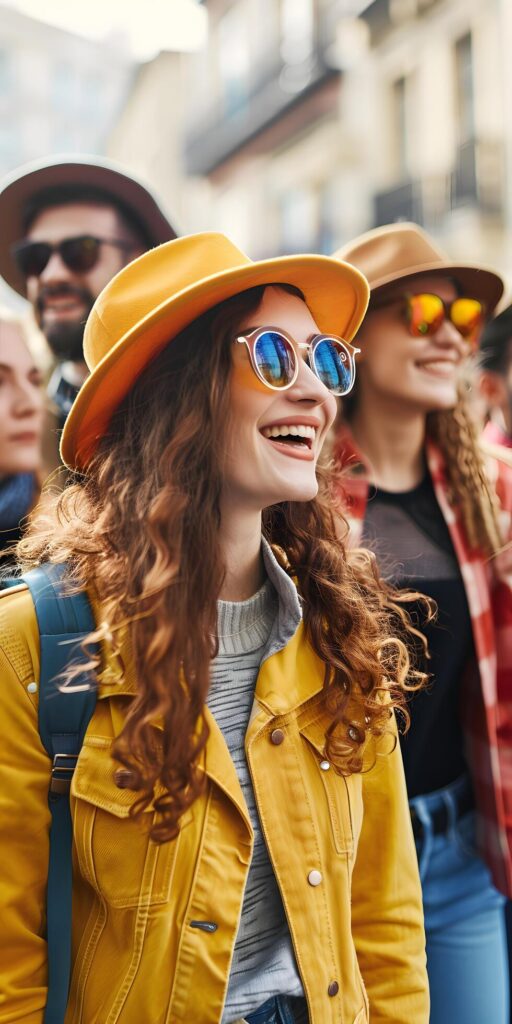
column 156, row 296
column 92, row 172
column 397, row 252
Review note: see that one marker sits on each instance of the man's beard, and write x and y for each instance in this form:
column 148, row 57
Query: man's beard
column 66, row 341
column 66, row 338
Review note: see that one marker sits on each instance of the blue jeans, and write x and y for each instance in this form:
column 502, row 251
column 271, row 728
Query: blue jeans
column 279, row 1010
column 464, row 919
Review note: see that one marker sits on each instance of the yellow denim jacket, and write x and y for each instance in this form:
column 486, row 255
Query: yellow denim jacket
column 341, row 848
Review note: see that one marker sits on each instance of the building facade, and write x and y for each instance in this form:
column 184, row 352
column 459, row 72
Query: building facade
column 59, row 92
column 305, row 122
column 148, row 133
column 436, row 127
column 264, row 128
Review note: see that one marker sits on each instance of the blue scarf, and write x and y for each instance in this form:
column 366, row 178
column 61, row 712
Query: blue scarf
column 16, row 497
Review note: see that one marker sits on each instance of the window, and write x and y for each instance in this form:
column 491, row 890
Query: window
column 464, row 88
column 299, row 220
column 10, row 148
column 328, row 216
column 401, row 102
column 297, row 30
column 5, row 71
column 63, row 85
column 234, row 57
column 264, row 33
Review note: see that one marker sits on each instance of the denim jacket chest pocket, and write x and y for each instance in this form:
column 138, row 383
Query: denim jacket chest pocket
column 342, row 793
column 116, row 856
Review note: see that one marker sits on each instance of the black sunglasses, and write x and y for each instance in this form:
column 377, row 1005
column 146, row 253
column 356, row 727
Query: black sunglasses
column 79, row 254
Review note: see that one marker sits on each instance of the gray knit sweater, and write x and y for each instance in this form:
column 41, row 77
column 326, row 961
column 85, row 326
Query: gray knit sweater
column 263, row 961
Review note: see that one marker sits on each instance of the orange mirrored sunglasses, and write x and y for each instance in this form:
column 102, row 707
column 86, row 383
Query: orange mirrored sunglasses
column 424, row 313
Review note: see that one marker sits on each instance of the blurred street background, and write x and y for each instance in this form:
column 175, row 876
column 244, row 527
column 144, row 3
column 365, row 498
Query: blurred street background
column 292, row 125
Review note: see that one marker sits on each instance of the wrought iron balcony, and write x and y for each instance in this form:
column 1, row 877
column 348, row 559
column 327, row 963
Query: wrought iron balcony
column 479, row 175
column 403, row 202
column 464, row 176
column 278, row 88
column 477, row 180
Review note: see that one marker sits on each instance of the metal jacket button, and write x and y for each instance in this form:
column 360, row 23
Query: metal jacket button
column 333, row 989
column 276, row 737
column 315, row 877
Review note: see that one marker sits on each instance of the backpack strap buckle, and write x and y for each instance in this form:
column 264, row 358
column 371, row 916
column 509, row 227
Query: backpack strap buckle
column 63, row 768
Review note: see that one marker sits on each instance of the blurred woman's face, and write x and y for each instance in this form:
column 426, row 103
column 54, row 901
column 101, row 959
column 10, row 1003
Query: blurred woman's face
column 260, row 469
column 418, row 373
column 21, row 405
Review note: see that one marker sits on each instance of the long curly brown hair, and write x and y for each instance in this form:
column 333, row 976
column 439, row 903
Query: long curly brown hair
column 141, row 530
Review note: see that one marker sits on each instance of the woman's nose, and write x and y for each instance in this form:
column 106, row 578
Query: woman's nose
column 447, row 335
column 308, row 387
column 27, row 400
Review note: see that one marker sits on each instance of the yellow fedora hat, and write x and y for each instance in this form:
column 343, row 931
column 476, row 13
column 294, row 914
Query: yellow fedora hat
column 152, row 299
column 397, row 252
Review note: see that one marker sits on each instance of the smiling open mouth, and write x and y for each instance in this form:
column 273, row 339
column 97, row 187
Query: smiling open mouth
column 296, row 436
column 439, row 367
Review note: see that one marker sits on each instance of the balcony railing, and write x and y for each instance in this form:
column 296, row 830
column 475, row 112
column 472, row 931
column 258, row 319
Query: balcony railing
column 464, row 176
column 476, row 180
column 478, row 176
column 277, row 88
column 403, row 202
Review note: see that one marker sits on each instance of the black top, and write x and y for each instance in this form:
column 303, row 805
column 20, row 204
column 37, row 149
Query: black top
column 412, row 542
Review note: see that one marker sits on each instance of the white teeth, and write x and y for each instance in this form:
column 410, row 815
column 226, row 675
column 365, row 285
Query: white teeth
column 287, row 430
column 441, row 365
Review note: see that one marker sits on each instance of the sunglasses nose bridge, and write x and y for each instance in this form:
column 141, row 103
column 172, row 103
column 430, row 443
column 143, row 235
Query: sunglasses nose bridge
column 55, row 265
column 447, row 335
column 309, row 384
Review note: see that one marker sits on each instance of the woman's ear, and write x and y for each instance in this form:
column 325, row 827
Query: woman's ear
column 493, row 389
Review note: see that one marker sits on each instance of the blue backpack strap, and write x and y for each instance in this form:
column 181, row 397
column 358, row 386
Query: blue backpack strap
column 64, row 620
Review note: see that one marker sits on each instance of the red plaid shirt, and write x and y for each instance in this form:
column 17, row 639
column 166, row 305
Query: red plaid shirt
column 486, row 701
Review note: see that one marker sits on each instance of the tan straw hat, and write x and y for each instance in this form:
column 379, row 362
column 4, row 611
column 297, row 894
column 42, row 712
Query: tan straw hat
column 397, row 252
column 152, row 299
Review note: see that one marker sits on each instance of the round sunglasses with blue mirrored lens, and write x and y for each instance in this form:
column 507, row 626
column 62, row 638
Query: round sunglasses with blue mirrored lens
column 275, row 359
